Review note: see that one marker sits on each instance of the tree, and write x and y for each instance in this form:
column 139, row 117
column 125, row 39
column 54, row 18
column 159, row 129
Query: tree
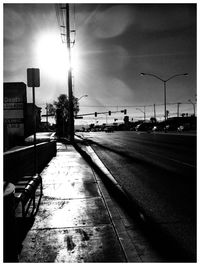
column 62, row 113
column 50, row 109
column 153, row 120
column 63, row 104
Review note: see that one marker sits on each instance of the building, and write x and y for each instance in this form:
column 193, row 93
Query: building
column 14, row 112
column 29, row 119
column 18, row 114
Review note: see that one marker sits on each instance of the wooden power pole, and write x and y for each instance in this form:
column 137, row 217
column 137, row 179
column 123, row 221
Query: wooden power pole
column 70, row 92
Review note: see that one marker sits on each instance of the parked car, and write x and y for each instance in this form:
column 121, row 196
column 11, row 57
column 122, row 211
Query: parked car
column 41, row 137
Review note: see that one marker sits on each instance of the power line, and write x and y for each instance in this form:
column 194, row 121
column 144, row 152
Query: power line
column 132, row 106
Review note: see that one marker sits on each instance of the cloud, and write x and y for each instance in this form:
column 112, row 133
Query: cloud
column 14, row 26
column 164, row 17
column 111, row 22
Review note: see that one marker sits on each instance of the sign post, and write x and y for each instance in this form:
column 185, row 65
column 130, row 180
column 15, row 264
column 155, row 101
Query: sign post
column 33, row 80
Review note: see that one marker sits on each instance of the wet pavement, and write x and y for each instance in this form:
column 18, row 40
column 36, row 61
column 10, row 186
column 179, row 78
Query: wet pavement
column 79, row 221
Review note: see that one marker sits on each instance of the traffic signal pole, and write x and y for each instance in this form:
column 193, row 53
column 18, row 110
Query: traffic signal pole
column 99, row 113
column 70, row 93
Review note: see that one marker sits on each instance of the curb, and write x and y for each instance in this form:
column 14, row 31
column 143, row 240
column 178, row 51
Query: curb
column 116, row 188
column 148, row 224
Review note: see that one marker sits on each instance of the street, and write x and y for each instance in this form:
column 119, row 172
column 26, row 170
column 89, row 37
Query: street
column 158, row 171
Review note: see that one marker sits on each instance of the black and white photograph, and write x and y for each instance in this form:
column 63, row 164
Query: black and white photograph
column 99, row 132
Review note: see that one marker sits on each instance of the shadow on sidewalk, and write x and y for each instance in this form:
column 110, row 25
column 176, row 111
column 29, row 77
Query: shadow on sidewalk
column 23, row 226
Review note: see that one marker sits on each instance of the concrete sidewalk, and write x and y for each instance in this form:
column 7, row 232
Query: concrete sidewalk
column 78, row 221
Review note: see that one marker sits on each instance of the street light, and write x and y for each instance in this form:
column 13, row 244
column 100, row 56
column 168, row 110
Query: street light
column 193, row 105
column 164, row 82
column 78, row 99
column 142, row 112
column 82, row 97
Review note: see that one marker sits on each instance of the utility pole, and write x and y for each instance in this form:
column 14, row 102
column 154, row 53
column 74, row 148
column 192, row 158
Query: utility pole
column 193, row 104
column 70, row 93
column 154, row 110
column 178, row 104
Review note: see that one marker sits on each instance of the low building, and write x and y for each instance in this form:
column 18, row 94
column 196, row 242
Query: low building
column 29, row 119
column 18, row 114
column 14, row 113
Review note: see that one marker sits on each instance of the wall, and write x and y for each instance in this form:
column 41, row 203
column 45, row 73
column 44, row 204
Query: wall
column 20, row 162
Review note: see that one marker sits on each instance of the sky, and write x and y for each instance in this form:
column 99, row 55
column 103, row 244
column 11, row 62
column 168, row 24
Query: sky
column 114, row 43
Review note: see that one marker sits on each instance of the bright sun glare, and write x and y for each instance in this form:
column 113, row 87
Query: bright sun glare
column 52, row 56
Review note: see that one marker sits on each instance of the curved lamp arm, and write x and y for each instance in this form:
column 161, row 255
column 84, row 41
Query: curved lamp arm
column 183, row 74
column 163, row 80
column 82, row 97
column 153, row 75
column 140, row 110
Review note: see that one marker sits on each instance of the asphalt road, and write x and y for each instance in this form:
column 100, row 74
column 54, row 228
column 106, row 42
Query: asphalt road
column 158, row 171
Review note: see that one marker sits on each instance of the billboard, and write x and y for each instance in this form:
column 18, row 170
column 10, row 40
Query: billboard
column 14, row 109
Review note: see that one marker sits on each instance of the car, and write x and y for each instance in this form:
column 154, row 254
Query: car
column 157, row 128
column 180, row 128
column 145, row 126
column 41, row 137
column 183, row 127
column 108, row 129
column 170, row 127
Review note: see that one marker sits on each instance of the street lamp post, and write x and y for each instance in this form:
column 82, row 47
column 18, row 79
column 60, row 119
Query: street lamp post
column 78, row 99
column 82, row 97
column 165, row 87
column 142, row 112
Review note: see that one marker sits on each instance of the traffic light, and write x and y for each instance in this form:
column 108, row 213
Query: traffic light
column 125, row 111
column 109, row 112
column 95, row 114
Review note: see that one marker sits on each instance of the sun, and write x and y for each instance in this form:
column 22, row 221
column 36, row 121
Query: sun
column 52, row 56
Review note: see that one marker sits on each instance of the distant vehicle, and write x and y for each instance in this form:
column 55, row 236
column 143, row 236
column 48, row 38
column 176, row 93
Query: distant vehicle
column 108, row 129
column 180, row 128
column 41, row 137
column 146, row 126
column 183, row 127
column 157, row 128
column 172, row 127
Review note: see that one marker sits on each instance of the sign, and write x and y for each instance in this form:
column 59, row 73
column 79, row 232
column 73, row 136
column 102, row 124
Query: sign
column 33, row 77
column 14, row 105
